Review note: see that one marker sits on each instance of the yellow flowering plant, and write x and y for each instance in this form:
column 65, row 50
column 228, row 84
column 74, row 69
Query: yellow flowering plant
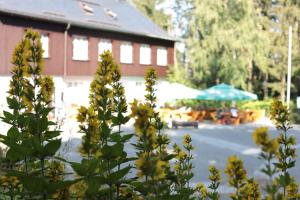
column 286, row 156
column 215, row 178
column 152, row 164
column 104, row 167
column 32, row 139
column 183, row 168
column 237, row 175
column 269, row 150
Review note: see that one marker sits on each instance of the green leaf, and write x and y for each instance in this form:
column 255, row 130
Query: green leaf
column 52, row 134
column 117, row 150
column 12, row 103
column 116, row 176
column 52, row 147
column 13, row 133
column 59, row 185
column 86, row 167
column 13, row 155
column 8, row 116
column 34, row 184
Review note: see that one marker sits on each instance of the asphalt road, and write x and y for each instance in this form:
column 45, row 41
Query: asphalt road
column 213, row 145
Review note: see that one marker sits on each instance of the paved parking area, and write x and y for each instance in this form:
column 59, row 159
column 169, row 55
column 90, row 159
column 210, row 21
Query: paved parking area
column 214, row 143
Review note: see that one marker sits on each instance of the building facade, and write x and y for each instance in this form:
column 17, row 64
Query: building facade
column 74, row 33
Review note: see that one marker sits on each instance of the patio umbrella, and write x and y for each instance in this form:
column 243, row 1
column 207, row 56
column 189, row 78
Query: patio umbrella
column 172, row 91
column 224, row 92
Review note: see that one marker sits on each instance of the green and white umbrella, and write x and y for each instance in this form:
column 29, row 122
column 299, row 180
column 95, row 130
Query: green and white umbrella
column 224, row 92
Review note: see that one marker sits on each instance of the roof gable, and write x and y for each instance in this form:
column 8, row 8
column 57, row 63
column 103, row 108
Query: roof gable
column 113, row 15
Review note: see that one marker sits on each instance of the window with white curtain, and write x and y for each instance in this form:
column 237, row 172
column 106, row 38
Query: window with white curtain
column 145, row 54
column 80, row 48
column 45, row 45
column 104, row 45
column 162, row 56
column 126, row 52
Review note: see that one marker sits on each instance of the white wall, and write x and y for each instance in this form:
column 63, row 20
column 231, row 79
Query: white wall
column 4, row 86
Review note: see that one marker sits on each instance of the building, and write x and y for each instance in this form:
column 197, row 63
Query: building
column 75, row 32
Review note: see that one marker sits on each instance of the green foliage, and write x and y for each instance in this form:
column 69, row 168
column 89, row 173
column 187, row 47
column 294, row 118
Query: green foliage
column 279, row 154
column 183, row 168
column 32, row 138
column 102, row 147
column 246, row 48
column 286, row 153
column 152, row 164
column 255, row 105
column 269, row 151
column 151, row 10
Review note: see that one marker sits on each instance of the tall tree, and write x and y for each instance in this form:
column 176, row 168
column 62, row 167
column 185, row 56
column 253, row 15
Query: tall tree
column 223, row 45
column 151, row 9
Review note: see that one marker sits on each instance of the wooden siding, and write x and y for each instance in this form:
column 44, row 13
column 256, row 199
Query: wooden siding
column 12, row 29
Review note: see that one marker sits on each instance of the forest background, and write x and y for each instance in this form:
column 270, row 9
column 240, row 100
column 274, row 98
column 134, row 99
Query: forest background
column 239, row 42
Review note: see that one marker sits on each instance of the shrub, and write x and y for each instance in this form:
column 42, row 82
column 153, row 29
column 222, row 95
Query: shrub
column 32, row 139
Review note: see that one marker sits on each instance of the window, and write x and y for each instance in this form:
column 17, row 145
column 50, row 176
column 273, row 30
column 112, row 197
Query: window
column 145, row 54
column 45, row 45
column 104, row 45
column 87, row 9
column 162, row 56
column 126, row 52
column 80, row 48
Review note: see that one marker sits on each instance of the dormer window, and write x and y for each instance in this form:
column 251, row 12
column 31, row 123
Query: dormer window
column 110, row 13
column 86, row 8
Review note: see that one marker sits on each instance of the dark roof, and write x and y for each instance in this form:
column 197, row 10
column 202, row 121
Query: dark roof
column 112, row 15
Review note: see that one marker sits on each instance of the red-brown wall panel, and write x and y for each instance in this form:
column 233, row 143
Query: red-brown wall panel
column 12, row 31
column 12, row 36
column 2, row 49
column 171, row 55
column 153, row 55
column 54, row 65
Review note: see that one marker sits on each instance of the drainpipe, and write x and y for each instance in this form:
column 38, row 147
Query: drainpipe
column 66, row 49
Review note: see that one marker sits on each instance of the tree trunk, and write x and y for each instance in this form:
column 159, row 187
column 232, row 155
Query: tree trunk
column 283, row 85
column 250, row 69
column 265, row 85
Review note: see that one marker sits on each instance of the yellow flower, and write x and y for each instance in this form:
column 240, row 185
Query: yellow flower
column 202, row 190
column 47, row 88
column 250, row 190
column 161, row 167
column 261, row 138
column 215, row 174
column 235, row 171
column 261, row 135
column 292, row 190
column 279, row 114
column 82, row 114
column 187, row 142
column 143, row 165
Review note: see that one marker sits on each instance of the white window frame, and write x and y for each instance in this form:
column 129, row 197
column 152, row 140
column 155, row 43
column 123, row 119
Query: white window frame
column 104, row 45
column 80, row 48
column 162, row 56
column 45, row 44
column 145, row 54
column 126, row 53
